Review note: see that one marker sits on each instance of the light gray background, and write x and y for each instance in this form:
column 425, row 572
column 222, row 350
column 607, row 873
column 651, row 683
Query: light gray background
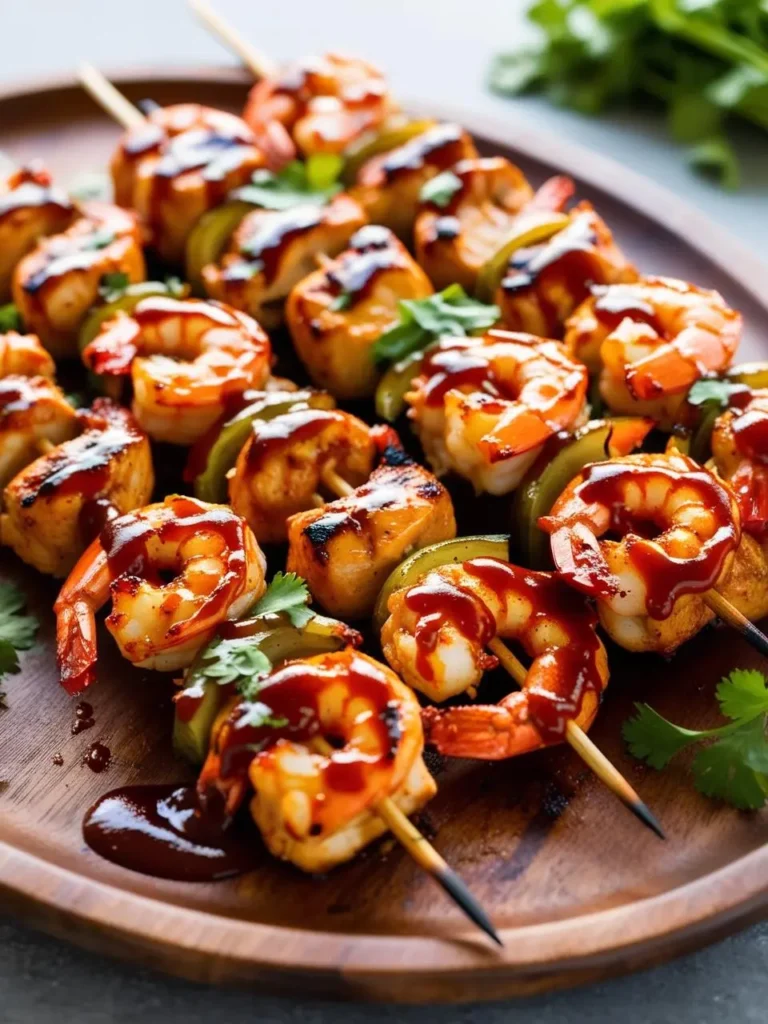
column 432, row 49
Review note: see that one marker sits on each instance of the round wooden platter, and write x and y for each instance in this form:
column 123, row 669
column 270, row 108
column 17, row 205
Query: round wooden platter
column 578, row 889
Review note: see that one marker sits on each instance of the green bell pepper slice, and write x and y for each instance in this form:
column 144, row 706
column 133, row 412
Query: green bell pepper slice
column 394, row 385
column 374, row 144
column 529, row 229
column 127, row 302
column 446, row 552
column 209, row 237
column 201, row 699
column 597, row 441
column 211, row 483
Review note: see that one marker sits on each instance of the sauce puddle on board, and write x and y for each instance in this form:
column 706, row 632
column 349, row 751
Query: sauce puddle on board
column 161, row 831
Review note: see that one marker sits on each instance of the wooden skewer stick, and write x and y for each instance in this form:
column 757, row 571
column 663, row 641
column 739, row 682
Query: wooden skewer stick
column 728, row 613
column 575, row 736
column 107, row 96
column 585, row 748
column 44, row 445
column 258, row 63
column 426, row 856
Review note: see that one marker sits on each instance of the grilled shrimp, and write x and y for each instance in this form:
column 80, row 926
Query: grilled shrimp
column 272, row 250
column 317, row 105
column 389, row 186
column 279, row 470
column 56, row 284
column 544, row 283
column 454, row 240
column 484, row 407
column 34, row 414
column 342, row 734
column 54, row 507
column 651, row 340
column 186, row 359
column 740, row 453
column 679, row 527
column 346, row 549
column 218, row 572
column 337, row 314
column 181, row 163
column 30, row 208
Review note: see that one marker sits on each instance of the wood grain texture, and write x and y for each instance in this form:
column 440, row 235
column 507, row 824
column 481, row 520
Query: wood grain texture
column 578, row 889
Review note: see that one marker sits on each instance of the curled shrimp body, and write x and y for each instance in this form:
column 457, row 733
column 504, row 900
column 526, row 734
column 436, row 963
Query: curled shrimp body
column 317, row 105
column 186, row 359
column 30, row 208
column 271, row 251
column 544, row 283
column 342, row 732
column 217, row 569
column 34, row 414
column 279, row 470
column 182, row 162
column 651, row 340
column 435, row 639
column 55, row 505
column 679, row 527
column 57, row 283
column 484, row 407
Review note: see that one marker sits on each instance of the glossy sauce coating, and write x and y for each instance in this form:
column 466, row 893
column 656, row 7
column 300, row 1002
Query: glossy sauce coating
column 374, row 249
column 162, row 831
column 270, row 436
column 272, row 232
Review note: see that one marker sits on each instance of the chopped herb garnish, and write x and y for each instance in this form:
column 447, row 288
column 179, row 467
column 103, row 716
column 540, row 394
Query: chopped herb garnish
column 341, row 302
column 441, row 189
column 733, row 764
column 292, row 186
column 113, row 286
column 447, row 313
column 719, row 391
column 287, row 593
column 10, row 318
column 17, row 631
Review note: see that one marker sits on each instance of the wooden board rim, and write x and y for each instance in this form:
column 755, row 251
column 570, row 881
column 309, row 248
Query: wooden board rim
column 219, row 948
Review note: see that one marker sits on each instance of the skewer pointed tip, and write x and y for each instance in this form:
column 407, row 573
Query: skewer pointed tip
column 459, row 892
column 645, row 814
column 756, row 638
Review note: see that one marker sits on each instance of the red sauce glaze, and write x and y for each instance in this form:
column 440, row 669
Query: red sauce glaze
column 372, row 250
column 162, row 831
column 293, row 694
column 97, row 757
column 268, row 233
column 750, row 433
column 271, row 436
column 438, row 147
column 82, row 466
column 31, row 186
column 94, row 516
column 569, row 260
column 125, row 541
column 666, row 578
column 454, row 365
column 615, row 302
column 83, row 718
column 438, row 602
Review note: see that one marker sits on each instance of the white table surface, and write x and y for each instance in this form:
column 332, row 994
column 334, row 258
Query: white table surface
column 433, row 50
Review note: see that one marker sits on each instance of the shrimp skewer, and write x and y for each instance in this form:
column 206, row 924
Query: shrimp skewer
column 436, row 636
column 317, row 802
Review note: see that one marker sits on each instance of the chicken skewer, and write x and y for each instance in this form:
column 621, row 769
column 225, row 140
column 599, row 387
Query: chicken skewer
column 257, row 62
column 575, row 736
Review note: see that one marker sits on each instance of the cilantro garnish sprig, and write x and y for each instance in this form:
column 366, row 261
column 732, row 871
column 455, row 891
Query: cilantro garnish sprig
column 10, row 318
column 732, row 764
column 295, row 185
column 422, row 321
column 704, row 61
column 240, row 660
column 17, row 631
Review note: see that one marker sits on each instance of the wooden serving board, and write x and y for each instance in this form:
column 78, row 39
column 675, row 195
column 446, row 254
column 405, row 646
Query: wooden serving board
column 577, row 888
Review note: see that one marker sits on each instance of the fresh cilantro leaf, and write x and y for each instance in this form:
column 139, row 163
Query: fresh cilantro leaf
column 734, row 765
column 17, row 631
column 716, row 157
column 719, row 391
column 726, row 771
column 3, row 707
column 290, row 187
column 743, row 694
column 441, row 189
column 237, row 661
column 257, row 715
column 513, row 73
column 447, row 313
column 286, row 593
column 341, row 302
column 176, row 287
column 10, row 318
column 653, row 739
column 113, row 286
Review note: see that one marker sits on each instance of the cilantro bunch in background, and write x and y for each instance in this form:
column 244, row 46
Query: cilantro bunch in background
column 704, row 61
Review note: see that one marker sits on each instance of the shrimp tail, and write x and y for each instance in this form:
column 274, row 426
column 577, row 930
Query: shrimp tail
column 488, row 732
column 76, row 646
column 553, row 194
